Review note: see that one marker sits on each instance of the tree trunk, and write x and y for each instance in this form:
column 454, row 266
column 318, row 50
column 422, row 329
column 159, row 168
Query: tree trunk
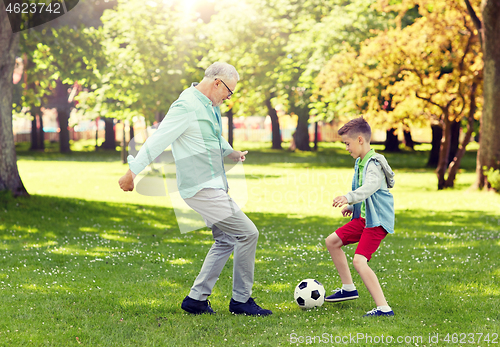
column 444, row 151
column 34, row 130
column 316, row 135
column 41, row 134
column 63, row 118
column 275, row 125
column 109, row 134
column 454, row 139
column 302, row 132
column 124, row 145
column 489, row 140
column 230, row 126
column 408, row 139
column 63, row 106
column 9, row 174
column 455, row 164
column 159, row 117
column 131, row 134
column 437, row 135
column 391, row 141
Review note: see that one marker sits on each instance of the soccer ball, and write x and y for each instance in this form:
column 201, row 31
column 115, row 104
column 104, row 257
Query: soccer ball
column 309, row 293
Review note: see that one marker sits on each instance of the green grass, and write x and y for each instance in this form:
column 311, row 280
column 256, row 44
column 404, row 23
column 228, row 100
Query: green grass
column 82, row 263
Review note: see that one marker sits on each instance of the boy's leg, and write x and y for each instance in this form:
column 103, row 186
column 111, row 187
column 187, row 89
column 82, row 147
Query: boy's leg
column 347, row 234
column 368, row 244
column 369, row 279
column 334, row 245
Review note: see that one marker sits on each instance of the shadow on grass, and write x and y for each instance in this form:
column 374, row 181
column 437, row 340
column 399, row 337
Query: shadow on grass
column 110, row 267
column 468, row 224
column 46, row 218
column 62, row 225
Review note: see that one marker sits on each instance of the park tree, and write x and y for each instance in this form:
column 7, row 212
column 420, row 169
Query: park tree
column 9, row 48
column 316, row 34
column 279, row 47
column 248, row 36
column 488, row 28
column 61, row 57
column 59, row 62
column 429, row 70
column 9, row 43
column 149, row 48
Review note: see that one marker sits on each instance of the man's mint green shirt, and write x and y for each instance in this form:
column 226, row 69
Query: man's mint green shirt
column 361, row 165
column 194, row 129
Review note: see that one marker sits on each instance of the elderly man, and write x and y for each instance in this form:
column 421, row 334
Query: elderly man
column 193, row 127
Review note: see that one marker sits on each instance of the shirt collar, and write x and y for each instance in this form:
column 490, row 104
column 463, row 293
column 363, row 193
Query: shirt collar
column 367, row 156
column 202, row 97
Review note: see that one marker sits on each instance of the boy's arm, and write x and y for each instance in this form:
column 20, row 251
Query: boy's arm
column 371, row 183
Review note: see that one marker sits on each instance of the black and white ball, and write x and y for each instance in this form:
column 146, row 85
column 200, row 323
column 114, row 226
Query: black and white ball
column 309, row 293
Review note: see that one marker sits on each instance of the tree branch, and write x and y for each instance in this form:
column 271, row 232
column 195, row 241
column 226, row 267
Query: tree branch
column 477, row 22
column 428, row 100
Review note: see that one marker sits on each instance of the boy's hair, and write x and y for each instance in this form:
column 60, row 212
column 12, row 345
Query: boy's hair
column 355, row 127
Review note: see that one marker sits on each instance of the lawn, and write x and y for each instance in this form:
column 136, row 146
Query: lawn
column 85, row 264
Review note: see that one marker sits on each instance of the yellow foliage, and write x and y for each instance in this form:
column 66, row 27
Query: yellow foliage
column 423, row 70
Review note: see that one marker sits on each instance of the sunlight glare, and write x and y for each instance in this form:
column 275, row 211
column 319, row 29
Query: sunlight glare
column 189, row 5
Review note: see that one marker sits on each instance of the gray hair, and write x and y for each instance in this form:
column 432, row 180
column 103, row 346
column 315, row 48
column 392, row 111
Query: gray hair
column 221, row 70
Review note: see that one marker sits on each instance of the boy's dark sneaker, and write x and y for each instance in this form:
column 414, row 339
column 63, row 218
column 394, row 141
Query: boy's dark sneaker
column 342, row 295
column 196, row 306
column 249, row 308
column 378, row 312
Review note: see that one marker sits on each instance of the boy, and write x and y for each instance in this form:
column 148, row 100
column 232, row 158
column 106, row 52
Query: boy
column 372, row 209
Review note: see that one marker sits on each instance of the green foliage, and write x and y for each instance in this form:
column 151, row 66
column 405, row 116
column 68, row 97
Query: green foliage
column 422, row 67
column 67, row 48
column 249, row 36
column 148, row 47
column 315, row 39
column 280, row 46
column 494, row 178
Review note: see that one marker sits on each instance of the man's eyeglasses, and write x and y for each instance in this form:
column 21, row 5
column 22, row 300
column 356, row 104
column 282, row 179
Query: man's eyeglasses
column 229, row 90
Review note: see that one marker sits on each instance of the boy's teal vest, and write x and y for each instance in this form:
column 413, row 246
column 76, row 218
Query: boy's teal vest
column 379, row 206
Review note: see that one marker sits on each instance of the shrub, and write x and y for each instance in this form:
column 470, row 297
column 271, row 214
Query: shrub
column 494, row 178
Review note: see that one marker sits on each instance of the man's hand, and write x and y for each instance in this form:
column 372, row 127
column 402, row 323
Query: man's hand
column 339, row 201
column 126, row 182
column 237, row 155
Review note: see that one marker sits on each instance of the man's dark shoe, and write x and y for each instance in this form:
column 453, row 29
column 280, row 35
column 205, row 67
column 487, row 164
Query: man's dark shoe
column 249, row 308
column 196, row 306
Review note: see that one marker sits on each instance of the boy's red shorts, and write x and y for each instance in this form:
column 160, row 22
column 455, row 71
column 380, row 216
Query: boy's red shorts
column 369, row 238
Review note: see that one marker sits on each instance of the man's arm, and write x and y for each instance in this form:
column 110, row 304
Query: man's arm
column 232, row 153
column 173, row 125
column 226, row 147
